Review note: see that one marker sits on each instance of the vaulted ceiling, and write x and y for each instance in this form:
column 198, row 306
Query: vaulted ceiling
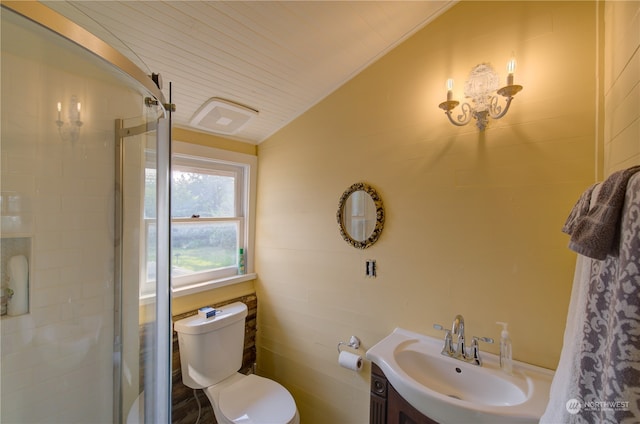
column 277, row 57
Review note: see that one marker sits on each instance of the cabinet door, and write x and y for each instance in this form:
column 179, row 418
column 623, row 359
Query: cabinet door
column 377, row 410
column 378, row 402
column 399, row 411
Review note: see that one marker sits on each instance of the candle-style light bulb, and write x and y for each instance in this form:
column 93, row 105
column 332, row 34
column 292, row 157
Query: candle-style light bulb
column 59, row 109
column 79, row 108
column 449, row 89
column 511, row 69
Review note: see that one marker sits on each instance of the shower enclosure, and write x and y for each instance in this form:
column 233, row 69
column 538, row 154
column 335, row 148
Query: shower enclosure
column 84, row 206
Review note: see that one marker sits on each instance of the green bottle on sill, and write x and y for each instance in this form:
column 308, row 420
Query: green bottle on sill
column 241, row 262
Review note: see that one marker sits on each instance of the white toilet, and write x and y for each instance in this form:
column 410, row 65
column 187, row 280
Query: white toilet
column 211, row 354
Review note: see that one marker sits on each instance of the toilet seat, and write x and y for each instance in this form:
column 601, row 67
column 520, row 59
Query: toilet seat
column 256, row 400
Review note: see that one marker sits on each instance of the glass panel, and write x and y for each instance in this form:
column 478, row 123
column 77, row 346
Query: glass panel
column 200, row 251
column 206, row 233
column 138, row 319
column 203, row 246
column 204, row 195
column 58, row 359
column 158, row 408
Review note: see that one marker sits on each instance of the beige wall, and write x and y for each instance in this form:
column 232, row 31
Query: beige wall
column 473, row 219
column 210, row 140
column 621, row 85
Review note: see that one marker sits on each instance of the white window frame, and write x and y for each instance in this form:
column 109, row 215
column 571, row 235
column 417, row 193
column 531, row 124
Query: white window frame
column 182, row 152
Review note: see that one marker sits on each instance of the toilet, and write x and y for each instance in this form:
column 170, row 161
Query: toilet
column 211, row 352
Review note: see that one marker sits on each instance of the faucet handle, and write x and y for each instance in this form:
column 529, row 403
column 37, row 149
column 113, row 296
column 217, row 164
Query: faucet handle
column 447, row 349
column 475, row 350
column 447, row 333
column 481, row 339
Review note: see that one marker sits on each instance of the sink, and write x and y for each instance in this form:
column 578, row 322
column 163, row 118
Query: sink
column 444, row 375
column 452, row 391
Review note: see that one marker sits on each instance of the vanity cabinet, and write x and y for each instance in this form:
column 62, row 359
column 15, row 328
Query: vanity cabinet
column 387, row 406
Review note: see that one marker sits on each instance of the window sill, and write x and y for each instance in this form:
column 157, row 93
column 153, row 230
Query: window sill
column 204, row 286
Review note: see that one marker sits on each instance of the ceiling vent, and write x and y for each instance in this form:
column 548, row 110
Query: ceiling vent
column 222, row 116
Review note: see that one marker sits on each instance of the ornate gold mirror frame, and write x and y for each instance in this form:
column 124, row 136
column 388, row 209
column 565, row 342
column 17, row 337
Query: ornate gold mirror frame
column 360, row 215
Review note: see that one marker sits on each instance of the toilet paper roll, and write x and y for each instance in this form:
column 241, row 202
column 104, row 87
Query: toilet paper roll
column 350, row 361
column 18, row 270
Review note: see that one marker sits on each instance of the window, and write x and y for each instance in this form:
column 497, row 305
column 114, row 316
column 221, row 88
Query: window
column 210, row 204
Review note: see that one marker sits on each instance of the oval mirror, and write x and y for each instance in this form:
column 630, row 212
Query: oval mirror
column 360, row 215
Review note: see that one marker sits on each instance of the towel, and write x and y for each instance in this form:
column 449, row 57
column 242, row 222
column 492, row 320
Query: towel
column 595, row 232
column 598, row 376
column 579, row 211
column 564, row 385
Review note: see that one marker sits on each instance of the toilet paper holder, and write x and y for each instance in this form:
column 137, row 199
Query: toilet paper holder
column 354, row 343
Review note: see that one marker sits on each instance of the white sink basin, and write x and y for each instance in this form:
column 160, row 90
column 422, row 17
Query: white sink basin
column 452, row 391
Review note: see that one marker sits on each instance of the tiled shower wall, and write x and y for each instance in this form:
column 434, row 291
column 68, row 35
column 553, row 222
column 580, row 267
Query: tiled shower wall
column 621, row 85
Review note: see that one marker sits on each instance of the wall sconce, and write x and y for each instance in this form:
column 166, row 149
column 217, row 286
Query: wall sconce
column 481, row 87
column 70, row 130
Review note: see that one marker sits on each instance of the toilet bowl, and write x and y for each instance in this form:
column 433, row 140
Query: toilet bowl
column 251, row 399
column 211, row 351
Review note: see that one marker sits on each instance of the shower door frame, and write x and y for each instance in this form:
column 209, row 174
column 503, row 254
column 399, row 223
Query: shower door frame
column 161, row 350
column 160, row 401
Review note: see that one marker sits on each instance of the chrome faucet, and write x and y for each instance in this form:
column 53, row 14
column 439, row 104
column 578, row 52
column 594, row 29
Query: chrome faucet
column 471, row 355
column 458, row 330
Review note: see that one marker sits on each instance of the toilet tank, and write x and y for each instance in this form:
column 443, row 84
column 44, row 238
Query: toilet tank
column 211, row 349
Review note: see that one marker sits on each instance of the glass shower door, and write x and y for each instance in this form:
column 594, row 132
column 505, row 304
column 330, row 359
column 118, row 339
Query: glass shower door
column 141, row 347
column 60, row 337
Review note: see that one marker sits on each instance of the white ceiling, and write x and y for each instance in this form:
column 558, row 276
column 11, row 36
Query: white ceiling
column 278, row 57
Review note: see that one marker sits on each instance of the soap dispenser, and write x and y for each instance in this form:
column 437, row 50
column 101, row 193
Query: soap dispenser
column 506, row 361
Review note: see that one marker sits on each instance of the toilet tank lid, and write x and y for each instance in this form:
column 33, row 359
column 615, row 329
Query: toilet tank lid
column 227, row 315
